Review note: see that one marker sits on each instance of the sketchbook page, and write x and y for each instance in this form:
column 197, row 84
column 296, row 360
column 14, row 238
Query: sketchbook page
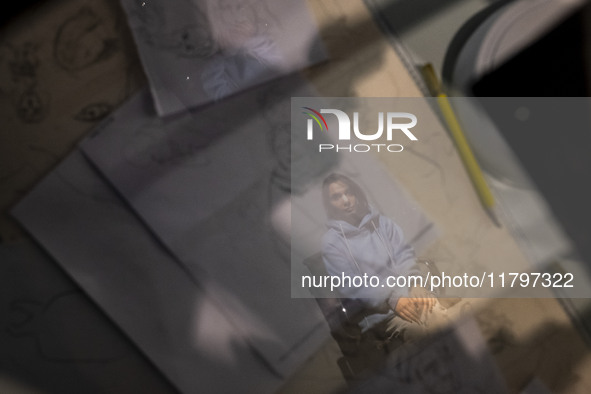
column 199, row 51
column 178, row 322
column 64, row 66
column 208, row 184
column 54, row 338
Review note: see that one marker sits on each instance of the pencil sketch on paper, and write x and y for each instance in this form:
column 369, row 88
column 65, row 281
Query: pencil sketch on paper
column 190, row 39
column 30, row 103
column 233, row 39
column 94, row 112
column 32, row 106
column 242, row 31
column 159, row 143
column 83, row 40
column 46, row 323
column 24, row 61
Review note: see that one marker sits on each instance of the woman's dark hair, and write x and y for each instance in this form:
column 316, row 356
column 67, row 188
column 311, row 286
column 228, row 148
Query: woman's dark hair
column 354, row 188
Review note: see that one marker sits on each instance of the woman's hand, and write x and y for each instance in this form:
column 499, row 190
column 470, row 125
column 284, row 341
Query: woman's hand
column 412, row 308
column 424, row 297
column 408, row 309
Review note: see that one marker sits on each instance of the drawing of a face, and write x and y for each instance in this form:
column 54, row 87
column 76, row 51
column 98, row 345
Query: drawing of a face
column 194, row 41
column 31, row 107
column 94, row 112
column 239, row 21
column 343, row 200
column 25, row 62
column 82, row 40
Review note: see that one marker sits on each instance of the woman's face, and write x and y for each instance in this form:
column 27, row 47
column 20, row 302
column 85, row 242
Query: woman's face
column 343, row 201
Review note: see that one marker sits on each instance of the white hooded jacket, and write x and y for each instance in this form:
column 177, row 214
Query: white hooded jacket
column 377, row 248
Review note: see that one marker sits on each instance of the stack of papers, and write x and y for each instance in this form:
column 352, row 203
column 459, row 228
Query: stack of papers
column 173, row 225
column 203, row 183
column 176, row 321
column 198, row 51
column 202, row 287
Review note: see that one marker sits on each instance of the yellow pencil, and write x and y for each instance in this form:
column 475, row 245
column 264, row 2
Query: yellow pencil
column 474, row 171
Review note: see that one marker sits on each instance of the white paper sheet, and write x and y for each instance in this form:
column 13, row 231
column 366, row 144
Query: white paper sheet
column 207, row 184
column 55, row 339
column 174, row 319
column 198, row 51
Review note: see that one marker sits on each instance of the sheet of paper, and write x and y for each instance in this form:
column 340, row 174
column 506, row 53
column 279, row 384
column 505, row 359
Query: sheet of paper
column 198, row 51
column 173, row 318
column 56, row 340
column 208, row 184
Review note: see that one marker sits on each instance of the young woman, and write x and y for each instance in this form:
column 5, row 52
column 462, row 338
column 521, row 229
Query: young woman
column 361, row 242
